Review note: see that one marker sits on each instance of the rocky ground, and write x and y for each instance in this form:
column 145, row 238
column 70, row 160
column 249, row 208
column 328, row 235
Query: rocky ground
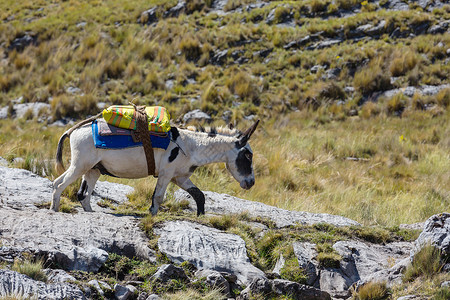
column 83, row 243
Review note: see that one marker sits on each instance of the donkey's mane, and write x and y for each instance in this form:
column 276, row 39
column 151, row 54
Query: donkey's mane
column 213, row 131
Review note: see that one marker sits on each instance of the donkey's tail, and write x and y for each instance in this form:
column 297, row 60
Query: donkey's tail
column 59, row 163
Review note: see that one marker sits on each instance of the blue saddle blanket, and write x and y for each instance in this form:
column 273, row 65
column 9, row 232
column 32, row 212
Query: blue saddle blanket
column 114, row 140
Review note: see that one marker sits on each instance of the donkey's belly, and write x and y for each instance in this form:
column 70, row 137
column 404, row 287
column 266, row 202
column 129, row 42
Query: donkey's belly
column 125, row 163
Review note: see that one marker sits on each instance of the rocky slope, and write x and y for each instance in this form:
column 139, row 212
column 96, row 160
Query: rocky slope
column 75, row 242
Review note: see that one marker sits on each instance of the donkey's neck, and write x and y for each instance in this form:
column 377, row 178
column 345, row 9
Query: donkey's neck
column 204, row 149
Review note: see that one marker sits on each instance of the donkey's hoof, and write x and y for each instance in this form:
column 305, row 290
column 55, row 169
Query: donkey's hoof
column 153, row 210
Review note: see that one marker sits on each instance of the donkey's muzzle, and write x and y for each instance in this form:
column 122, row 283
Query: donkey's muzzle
column 247, row 183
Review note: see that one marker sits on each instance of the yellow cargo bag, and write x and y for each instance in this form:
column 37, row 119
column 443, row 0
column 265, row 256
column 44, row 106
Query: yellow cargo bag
column 123, row 116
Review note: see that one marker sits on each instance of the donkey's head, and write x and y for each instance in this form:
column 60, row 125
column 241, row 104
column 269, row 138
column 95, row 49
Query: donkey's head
column 240, row 159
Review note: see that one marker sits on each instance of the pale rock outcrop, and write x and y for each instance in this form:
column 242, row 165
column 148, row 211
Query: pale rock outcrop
column 19, row 285
column 206, row 248
column 361, row 262
column 225, row 204
column 436, row 232
column 75, row 241
column 23, row 190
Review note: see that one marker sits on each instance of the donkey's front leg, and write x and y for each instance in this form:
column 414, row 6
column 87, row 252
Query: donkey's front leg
column 186, row 184
column 158, row 194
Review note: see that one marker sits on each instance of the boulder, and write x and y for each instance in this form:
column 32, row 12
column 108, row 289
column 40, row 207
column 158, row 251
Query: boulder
column 13, row 283
column 214, row 280
column 225, row 204
column 219, row 57
column 167, row 272
column 20, row 43
column 256, row 286
column 176, row 10
column 441, row 27
column 206, row 248
column 280, row 287
column 149, row 16
column 396, row 5
column 392, row 276
column 123, row 292
column 437, row 233
column 360, row 261
column 196, row 115
column 298, row 291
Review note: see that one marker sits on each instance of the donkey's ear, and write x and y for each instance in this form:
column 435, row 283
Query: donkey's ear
column 247, row 134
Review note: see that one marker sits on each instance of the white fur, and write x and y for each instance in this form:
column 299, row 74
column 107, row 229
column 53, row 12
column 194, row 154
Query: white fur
column 196, row 149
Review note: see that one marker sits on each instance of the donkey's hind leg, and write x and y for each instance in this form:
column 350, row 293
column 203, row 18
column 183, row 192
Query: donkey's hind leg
column 63, row 181
column 86, row 188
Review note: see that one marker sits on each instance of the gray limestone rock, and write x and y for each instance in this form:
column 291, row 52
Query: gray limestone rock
column 256, row 286
column 122, row 292
column 13, row 283
column 409, row 297
column 75, row 241
column 298, row 291
column 167, row 272
column 176, row 10
column 58, row 276
column 149, row 16
column 279, row 265
column 196, row 115
column 436, row 232
column 391, row 276
column 206, row 248
column 226, row 204
column 21, row 189
column 360, row 261
column 282, row 287
column 370, row 258
column 19, row 110
column 214, row 280
column 97, row 286
column 115, row 192
column 20, row 43
column 219, row 57
column 306, row 254
column 396, row 5
column 414, row 226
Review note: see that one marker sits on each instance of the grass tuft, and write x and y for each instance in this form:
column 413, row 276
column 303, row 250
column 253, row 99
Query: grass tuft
column 372, row 291
column 426, row 263
column 33, row 269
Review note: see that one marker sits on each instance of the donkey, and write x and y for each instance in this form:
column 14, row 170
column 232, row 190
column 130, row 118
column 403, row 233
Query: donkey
column 187, row 150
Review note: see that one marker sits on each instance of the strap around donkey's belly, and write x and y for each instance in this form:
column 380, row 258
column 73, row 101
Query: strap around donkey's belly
column 142, row 134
